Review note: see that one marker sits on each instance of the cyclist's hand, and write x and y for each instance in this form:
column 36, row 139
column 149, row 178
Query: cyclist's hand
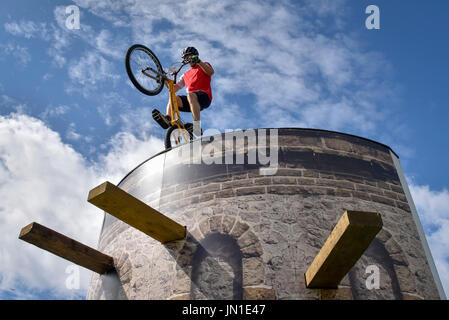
column 195, row 59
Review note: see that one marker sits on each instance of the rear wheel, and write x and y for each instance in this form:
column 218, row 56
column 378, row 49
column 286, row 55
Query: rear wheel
column 144, row 70
column 175, row 136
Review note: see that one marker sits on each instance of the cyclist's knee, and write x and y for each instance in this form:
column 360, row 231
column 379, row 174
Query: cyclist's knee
column 192, row 96
column 179, row 100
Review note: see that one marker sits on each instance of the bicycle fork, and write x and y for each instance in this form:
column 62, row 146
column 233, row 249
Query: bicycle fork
column 175, row 111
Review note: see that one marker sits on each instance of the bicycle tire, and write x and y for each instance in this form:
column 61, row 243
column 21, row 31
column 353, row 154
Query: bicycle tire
column 148, row 54
column 168, row 134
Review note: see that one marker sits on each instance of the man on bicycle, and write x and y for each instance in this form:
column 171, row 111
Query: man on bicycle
column 199, row 93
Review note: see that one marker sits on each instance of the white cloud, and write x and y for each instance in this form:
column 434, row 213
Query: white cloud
column 89, row 71
column 51, row 111
column 46, row 181
column 433, row 210
column 275, row 51
column 28, row 29
column 17, row 51
column 71, row 133
column 292, row 57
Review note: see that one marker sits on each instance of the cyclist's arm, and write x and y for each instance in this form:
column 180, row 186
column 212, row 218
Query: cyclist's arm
column 207, row 68
column 181, row 84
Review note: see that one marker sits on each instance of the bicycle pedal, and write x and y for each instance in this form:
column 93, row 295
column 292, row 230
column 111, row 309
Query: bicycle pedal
column 159, row 118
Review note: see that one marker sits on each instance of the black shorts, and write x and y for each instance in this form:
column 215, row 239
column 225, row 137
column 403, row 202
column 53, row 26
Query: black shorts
column 203, row 99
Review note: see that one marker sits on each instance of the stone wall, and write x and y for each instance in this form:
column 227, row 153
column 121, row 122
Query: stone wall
column 253, row 237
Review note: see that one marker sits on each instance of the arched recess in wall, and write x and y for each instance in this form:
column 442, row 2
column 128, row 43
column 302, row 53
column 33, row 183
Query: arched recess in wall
column 217, row 269
column 377, row 255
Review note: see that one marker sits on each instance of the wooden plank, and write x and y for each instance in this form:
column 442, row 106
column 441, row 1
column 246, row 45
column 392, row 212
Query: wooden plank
column 136, row 213
column 348, row 240
column 66, row 248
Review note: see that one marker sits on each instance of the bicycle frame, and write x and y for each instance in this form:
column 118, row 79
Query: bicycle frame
column 174, row 104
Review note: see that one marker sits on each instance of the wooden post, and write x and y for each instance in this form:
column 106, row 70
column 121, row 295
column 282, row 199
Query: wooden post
column 66, row 248
column 136, row 213
column 348, row 240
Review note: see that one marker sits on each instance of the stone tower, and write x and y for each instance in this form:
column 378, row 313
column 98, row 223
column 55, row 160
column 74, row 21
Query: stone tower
column 253, row 227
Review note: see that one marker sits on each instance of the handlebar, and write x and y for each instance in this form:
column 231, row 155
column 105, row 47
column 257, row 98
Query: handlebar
column 175, row 72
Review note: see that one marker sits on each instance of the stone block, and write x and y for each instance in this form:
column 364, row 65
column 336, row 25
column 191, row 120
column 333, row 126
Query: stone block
column 240, row 176
column 305, row 181
column 215, row 224
column 349, row 177
column 397, row 189
column 383, row 235
column 206, row 197
column 196, row 234
column 391, row 195
column 288, row 172
column 401, row 197
column 250, row 190
column 392, row 247
column 338, row 144
column 284, row 180
column 253, row 271
column 403, row 205
column 361, row 195
column 262, row 181
column 181, row 283
column 236, row 184
column 204, row 226
column 342, row 293
column 257, row 293
column 229, row 193
column 310, row 174
column 185, row 296
column 238, row 229
column 247, row 239
column 228, row 223
column 383, row 200
column 343, row 193
column 287, row 190
column 405, row 278
column 335, row 183
column 210, row 187
column 181, row 187
column 399, row 259
column 195, row 185
column 408, row 296
column 254, row 250
column 383, row 185
column 369, row 189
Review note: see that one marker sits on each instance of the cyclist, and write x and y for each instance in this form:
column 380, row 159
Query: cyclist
column 199, row 93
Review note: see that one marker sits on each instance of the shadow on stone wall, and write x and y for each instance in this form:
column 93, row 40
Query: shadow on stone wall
column 377, row 255
column 217, row 269
column 110, row 287
column 219, row 259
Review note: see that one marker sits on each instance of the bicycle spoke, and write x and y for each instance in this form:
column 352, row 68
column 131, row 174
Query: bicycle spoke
column 144, row 70
column 140, row 62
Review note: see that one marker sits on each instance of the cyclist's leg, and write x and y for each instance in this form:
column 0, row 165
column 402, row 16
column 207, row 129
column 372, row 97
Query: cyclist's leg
column 194, row 106
column 169, row 110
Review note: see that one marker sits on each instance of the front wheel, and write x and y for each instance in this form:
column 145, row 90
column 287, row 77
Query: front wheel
column 175, row 136
column 144, row 70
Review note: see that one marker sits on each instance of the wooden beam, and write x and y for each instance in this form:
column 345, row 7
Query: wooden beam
column 348, row 240
column 136, row 213
column 66, row 248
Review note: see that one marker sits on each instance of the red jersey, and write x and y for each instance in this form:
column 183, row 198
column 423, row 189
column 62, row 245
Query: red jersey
column 196, row 79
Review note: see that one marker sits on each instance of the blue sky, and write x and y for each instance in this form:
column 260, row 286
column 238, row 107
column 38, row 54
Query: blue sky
column 70, row 119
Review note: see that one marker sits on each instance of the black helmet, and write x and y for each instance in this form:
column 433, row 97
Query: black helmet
column 189, row 50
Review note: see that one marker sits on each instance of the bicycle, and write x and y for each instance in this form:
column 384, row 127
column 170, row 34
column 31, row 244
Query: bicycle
column 147, row 75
